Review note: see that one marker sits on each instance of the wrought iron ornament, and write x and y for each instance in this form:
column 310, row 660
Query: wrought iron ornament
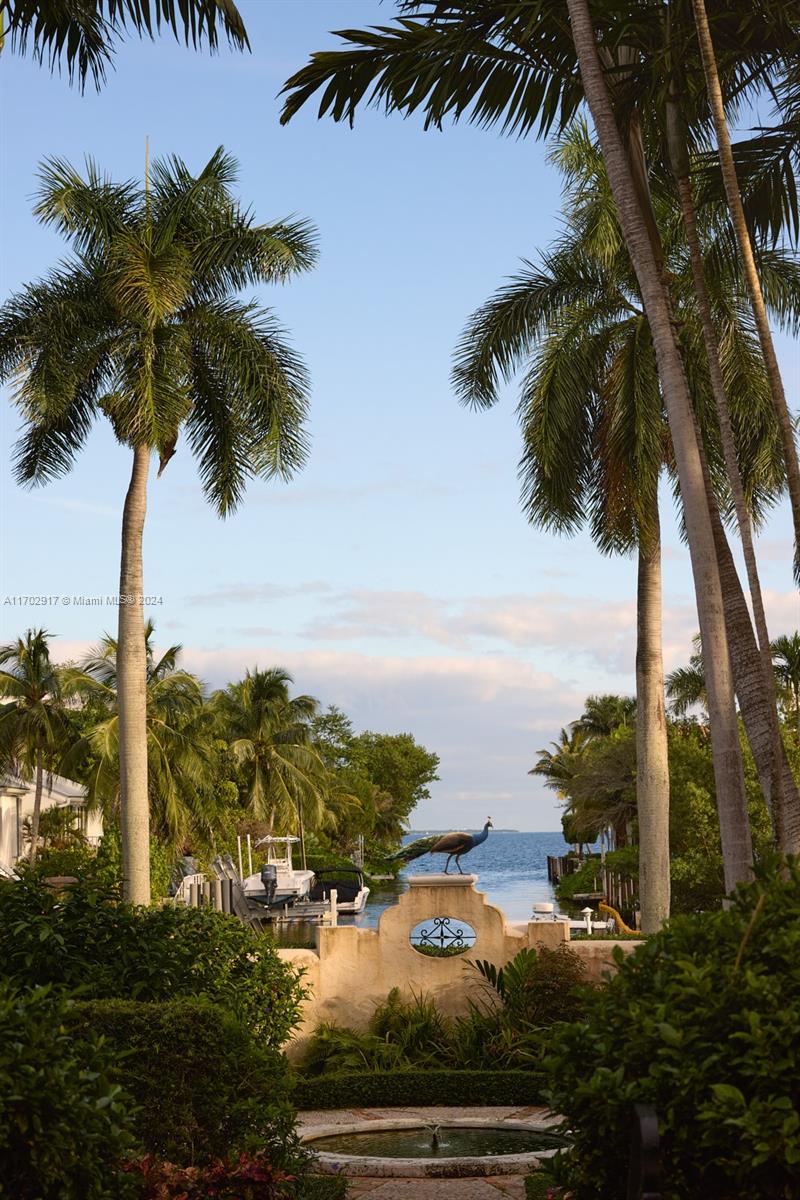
column 444, row 934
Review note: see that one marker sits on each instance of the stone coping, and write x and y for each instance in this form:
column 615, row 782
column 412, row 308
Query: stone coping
column 441, row 880
column 319, row 1124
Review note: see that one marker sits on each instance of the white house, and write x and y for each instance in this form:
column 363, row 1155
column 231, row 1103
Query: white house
column 16, row 805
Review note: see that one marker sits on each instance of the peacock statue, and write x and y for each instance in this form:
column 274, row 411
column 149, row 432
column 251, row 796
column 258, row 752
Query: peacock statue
column 451, row 844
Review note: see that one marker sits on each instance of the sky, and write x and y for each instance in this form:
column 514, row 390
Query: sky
column 396, row 576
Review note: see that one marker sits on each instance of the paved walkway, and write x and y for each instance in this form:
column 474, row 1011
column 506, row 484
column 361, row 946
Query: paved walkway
column 496, row 1188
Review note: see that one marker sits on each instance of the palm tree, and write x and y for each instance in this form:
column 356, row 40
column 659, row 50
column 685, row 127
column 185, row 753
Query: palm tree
column 515, row 65
column 728, row 767
column 786, row 655
column 594, row 445
column 270, row 738
column 84, row 34
column 35, row 729
column 558, row 766
column 686, row 686
column 603, row 714
column 179, row 731
column 143, row 326
column 750, row 268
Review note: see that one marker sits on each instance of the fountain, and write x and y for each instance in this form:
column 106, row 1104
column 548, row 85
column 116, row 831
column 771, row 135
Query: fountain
column 456, row 1148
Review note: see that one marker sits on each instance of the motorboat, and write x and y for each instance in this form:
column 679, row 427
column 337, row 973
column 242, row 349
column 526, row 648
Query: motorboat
column 348, row 883
column 277, row 882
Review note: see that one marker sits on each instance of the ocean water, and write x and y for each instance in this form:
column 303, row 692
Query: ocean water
column 511, row 869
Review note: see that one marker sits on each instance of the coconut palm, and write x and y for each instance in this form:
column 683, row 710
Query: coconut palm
column 515, row 65
column 558, row 766
column 592, row 414
column 749, row 265
column 35, row 728
column 603, row 714
column 83, row 35
column 269, row 736
column 786, row 656
column 179, row 731
column 144, row 326
column 686, row 686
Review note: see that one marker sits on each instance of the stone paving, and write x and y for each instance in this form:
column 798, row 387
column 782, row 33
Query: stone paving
column 494, row 1187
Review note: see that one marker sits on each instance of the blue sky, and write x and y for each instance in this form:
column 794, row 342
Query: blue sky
column 396, row 576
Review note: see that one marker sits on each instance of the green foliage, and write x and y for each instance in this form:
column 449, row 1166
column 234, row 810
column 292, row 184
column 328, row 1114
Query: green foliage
column 236, row 1177
column 86, row 938
column 428, row 1087
column 539, row 1186
column 64, row 1125
column 201, row 1083
column 538, row 987
column 503, row 1030
column 322, row 1187
column 703, row 1022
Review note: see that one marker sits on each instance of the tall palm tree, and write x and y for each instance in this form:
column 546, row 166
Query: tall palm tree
column 179, row 733
column 515, row 65
column 750, row 268
column 786, row 656
column 143, row 325
column 83, row 34
column 728, row 767
column 557, row 766
column 603, row 714
column 269, row 735
column 35, row 729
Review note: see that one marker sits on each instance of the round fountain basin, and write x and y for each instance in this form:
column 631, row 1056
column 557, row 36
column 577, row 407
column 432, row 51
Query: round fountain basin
column 411, row 1149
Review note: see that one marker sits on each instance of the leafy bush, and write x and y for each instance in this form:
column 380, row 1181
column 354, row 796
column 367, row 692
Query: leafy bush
column 63, row 1123
column 538, row 987
column 86, row 938
column 703, row 1022
column 201, row 1083
column 429, row 1087
column 243, row 1177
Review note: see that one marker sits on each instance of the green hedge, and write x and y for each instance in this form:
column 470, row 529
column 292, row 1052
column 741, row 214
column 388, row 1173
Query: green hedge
column 202, row 1085
column 85, row 938
column 323, row 1187
column 537, row 1186
column 64, row 1125
column 395, row 1089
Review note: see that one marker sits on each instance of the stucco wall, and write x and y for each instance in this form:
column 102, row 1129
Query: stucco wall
column 353, row 970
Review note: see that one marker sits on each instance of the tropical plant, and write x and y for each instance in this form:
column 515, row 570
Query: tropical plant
column 86, row 939
column 603, row 714
column 65, row 1125
column 35, row 729
column 702, row 1021
column 179, row 730
column 786, row 656
column 269, row 737
column 515, row 66
column 537, row 987
column 83, row 34
column 143, row 325
column 686, row 686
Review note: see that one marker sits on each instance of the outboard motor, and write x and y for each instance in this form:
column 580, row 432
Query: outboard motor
column 269, row 878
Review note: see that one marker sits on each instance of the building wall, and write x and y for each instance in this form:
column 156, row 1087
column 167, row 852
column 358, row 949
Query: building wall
column 353, row 970
column 61, row 792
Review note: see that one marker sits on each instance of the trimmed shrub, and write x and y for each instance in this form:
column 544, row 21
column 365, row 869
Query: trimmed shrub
column 322, row 1187
column 703, row 1022
column 201, row 1084
column 86, row 938
column 64, row 1126
column 387, row 1089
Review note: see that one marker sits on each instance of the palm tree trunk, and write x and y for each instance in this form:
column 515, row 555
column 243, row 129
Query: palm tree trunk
column 37, row 807
column 132, row 691
column 731, row 184
column 728, row 769
column 680, row 164
column 652, row 761
column 754, row 700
